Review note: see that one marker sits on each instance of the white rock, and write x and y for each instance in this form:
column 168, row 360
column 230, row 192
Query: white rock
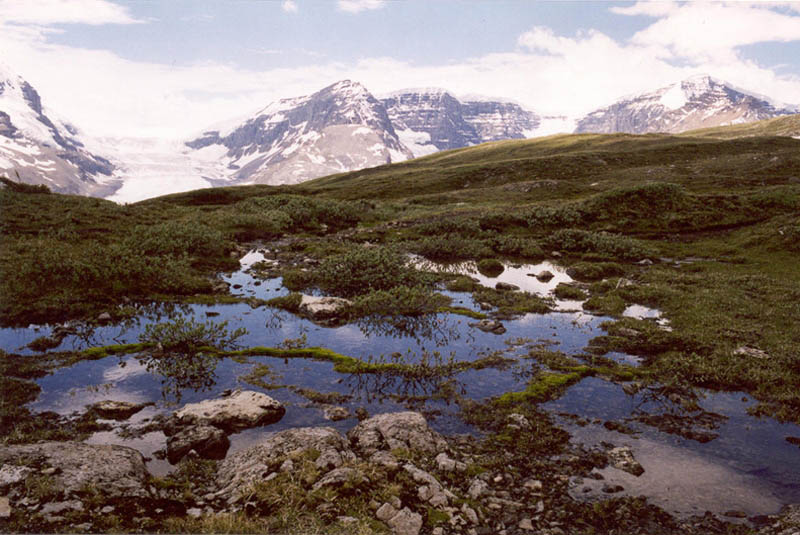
column 240, row 410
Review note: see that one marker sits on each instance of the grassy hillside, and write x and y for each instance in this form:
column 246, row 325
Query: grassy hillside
column 599, row 203
column 781, row 126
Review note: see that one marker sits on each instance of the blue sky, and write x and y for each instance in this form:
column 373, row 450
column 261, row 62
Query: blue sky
column 169, row 68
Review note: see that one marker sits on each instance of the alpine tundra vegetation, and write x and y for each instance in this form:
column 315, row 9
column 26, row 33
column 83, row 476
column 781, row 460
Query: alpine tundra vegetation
column 470, row 300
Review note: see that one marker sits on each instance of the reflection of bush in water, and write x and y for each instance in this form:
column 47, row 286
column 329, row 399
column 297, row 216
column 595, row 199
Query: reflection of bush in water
column 184, row 354
column 438, row 330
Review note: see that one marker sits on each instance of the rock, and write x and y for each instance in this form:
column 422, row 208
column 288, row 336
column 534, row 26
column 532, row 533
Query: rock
column 519, row 420
column 745, row 351
column 321, row 308
column 55, row 508
column 627, row 332
column 385, row 512
column 612, row 489
column 11, row 475
column 544, row 276
column 208, row 441
column 622, row 458
column 116, row 471
column 430, row 490
column 506, row 287
column 470, row 513
column 477, row 488
column 338, row 477
column 533, row 485
column 116, row 410
column 108, row 509
column 5, row 507
column 194, row 512
column 240, row 410
column 385, row 459
column 446, row 464
column 406, row 522
column 347, row 520
column 632, row 388
column 335, row 414
column 645, row 262
column 526, row 524
column 735, row 514
column 406, row 430
column 489, row 326
column 245, row 467
column 104, row 317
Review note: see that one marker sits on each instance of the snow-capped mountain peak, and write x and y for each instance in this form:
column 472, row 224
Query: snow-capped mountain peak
column 340, row 128
column 41, row 148
column 696, row 102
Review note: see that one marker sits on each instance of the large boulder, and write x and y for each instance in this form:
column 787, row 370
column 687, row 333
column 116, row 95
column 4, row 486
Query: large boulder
column 115, row 471
column 232, row 413
column 245, row 467
column 399, row 430
column 117, row 410
column 322, row 308
column 207, row 441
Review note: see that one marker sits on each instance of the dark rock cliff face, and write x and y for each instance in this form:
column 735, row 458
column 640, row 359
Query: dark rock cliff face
column 697, row 102
column 452, row 124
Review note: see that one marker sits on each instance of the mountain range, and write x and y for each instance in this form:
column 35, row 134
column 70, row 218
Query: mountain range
column 340, row 128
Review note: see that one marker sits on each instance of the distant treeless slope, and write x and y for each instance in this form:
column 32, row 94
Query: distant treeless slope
column 780, row 126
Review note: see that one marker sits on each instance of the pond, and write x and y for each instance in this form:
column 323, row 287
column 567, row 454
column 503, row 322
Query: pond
column 750, row 457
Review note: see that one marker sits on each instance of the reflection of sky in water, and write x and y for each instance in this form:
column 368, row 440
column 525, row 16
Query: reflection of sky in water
column 753, row 450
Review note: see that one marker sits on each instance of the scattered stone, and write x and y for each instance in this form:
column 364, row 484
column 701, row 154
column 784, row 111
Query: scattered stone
column 104, row 317
column 362, row 414
column 622, row 458
column 286, row 466
column 207, row 441
column 385, row 459
column 335, row 414
column 477, row 488
column 645, row 262
column 627, row 332
column 194, row 512
column 116, row 410
column 506, row 287
column 612, row 489
column 533, row 485
column 632, row 388
column 5, row 507
column 117, row 471
column 243, row 468
column 347, row 520
column 519, row 420
column 447, row 464
column 322, row 308
column 385, row 512
column 11, row 475
column 746, row 351
column 470, row 513
column 526, row 524
column 399, row 430
column 489, row 326
column 240, row 410
column 108, row 509
column 54, row 508
column 406, row 522
column 793, row 440
column 338, row 477
column 430, row 490
column 544, row 276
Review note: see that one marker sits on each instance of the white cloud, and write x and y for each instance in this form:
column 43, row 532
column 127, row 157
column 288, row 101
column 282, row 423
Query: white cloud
column 356, row 6
column 704, row 31
column 649, row 9
column 107, row 95
column 46, row 12
column 289, row 6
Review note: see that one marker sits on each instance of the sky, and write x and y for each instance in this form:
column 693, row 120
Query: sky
column 173, row 68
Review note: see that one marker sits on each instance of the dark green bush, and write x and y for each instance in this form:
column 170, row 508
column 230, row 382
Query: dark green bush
column 591, row 271
column 399, row 301
column 568, row 291
column 177, row 238
column 367, row 269
column 610, row 245
column 308, row 212
column 453, row 247
column 549, row 217
column 638, row 202
column 490, row 267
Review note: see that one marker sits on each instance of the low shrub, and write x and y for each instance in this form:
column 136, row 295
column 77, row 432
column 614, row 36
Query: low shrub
column 592, row 271
column 490, row 267
column 602, row 243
